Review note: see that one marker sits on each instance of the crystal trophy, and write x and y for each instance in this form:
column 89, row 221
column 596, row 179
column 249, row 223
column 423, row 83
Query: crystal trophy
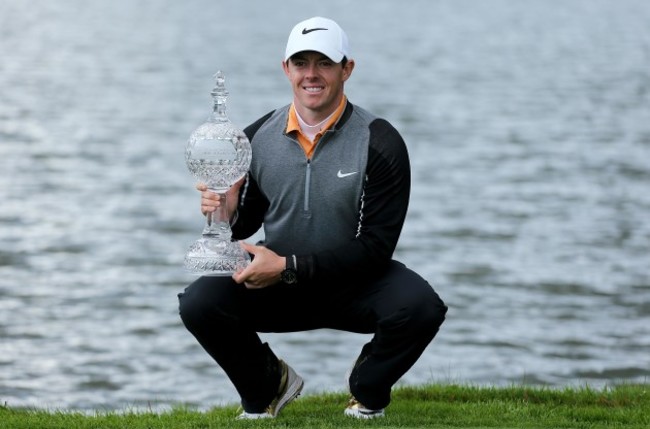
column 217, row 154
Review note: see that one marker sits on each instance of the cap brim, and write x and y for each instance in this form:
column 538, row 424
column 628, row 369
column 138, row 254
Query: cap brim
column 335, row 56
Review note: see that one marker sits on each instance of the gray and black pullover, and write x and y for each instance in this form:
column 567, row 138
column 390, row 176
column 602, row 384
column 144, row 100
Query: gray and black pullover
column 340, row 212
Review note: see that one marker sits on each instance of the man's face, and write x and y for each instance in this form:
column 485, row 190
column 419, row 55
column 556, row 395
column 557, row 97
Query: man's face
column 317, row 83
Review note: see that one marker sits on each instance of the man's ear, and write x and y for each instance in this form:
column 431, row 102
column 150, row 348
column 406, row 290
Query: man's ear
column 285, row 67
column 347, row 70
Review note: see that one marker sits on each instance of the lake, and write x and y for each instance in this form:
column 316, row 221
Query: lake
column 528, row 127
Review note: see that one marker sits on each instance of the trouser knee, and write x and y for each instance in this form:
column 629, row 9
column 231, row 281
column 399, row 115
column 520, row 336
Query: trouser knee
column 432, row 315
column 421, row 318
column 204, row 301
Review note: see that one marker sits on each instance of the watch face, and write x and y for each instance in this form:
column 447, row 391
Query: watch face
column 289, row 277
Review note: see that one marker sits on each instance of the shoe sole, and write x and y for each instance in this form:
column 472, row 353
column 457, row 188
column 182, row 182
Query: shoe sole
column 364, row 415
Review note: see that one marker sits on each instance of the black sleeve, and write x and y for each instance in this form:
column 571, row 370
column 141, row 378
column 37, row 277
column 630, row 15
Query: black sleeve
column 250, row 211
column 383, row 211
column 252, row 203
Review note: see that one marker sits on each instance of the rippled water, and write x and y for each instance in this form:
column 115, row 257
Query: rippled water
column 528, row 125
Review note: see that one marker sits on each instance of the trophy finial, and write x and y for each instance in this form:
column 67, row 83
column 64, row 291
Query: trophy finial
column 219, row 85
column 219, row 95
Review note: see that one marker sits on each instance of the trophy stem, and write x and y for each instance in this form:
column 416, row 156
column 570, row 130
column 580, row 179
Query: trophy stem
column 217, row 223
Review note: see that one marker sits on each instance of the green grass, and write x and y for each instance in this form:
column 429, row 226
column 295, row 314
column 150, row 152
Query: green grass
column 435, row 406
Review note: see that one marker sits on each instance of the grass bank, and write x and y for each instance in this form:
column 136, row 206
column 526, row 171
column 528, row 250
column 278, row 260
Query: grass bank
column 434, row 406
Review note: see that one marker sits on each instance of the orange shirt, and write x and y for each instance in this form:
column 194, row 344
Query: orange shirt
column 307, row 145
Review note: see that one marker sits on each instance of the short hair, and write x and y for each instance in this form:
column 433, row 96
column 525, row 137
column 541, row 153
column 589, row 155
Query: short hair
column 344, row 60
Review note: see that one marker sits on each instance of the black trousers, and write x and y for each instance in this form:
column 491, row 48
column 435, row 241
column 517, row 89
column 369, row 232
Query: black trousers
column 400, row 308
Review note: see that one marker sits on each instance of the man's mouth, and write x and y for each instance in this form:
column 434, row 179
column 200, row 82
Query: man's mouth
column 313, row 89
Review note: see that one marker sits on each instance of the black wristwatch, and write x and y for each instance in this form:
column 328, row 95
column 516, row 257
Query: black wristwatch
column 290, row 273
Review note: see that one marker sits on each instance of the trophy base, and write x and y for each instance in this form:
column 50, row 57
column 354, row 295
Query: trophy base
column 210, row 256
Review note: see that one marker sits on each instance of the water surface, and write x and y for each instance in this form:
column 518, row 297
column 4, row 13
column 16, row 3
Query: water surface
column 528, row 125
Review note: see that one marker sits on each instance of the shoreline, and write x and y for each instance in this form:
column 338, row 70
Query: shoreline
column 433, row 405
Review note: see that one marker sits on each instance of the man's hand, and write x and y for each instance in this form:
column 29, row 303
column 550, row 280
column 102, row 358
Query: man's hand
column 263, row 271
column 210, row 201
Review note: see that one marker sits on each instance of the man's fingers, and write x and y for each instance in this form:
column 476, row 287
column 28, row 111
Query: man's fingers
column 250, row 248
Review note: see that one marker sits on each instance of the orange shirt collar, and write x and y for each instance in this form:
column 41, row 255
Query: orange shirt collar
column 293, row 125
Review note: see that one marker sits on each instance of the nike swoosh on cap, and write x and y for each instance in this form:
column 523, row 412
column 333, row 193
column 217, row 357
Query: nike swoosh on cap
column 305, row 31
column 341, row 174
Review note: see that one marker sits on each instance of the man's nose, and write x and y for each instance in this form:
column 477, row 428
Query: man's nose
column 312, row 69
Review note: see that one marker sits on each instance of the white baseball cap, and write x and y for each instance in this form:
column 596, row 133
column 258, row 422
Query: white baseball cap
column 321, row 35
